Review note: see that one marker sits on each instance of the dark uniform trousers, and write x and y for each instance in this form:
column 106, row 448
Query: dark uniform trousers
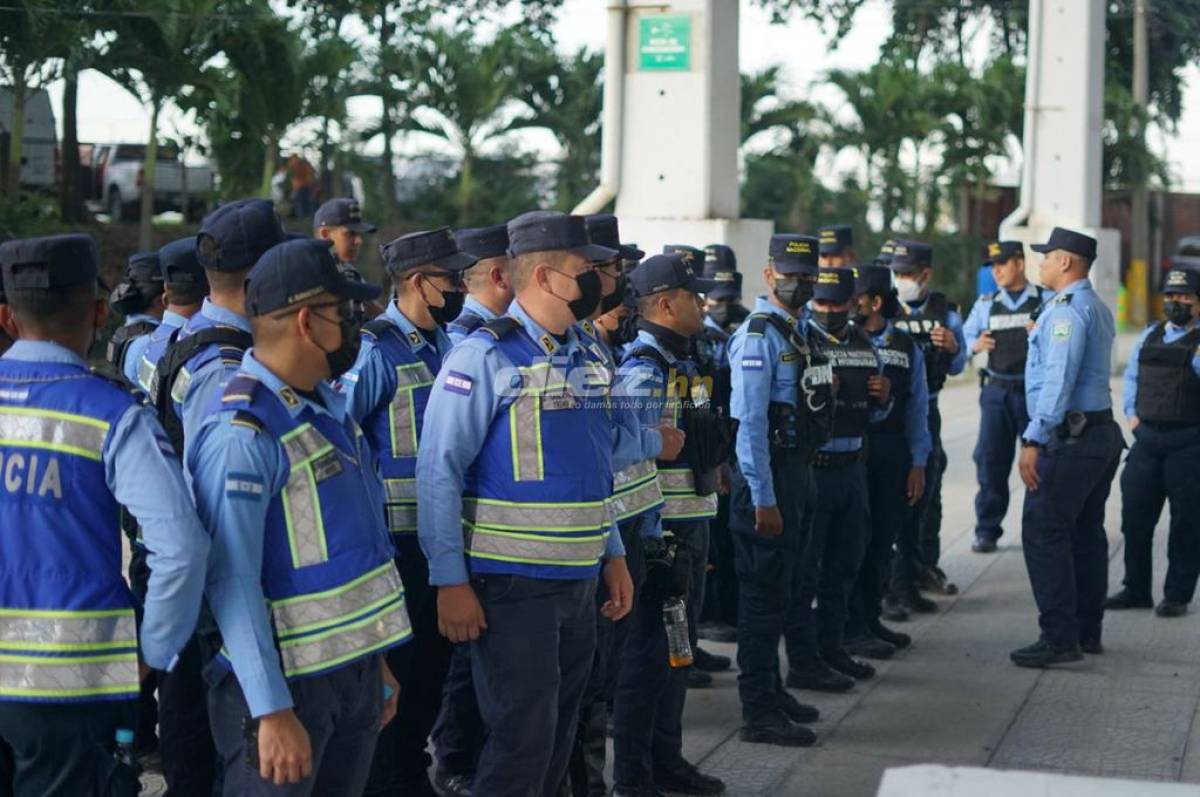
column 1066, row 551
column 888, row 463
column 530, row 668
column 918, row 545
column 829, row 563
column 768, row 577
column 721, row 584
column 340, row 710
column 1163, row 466
column 1002, row 419
column 64, row 749
column 420, row 669
column 459, row 733
column 648, row 705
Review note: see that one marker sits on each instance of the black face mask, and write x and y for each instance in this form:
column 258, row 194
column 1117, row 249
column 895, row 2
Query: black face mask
column 452, row 305
column 341, row 359
column 626, row 331
column 1178, row 313
column 726, row 315
column 589, row 295
column 832, row 321
column 793, row 291
column 860, row 317
column 614, row 299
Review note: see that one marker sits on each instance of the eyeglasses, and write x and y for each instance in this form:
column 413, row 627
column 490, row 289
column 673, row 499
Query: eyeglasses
column 455, row 278
column 347, row 311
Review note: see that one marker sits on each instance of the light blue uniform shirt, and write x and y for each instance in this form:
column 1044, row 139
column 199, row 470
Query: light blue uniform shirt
column 238, row 527
column 977, row 322
column 452, row 436
column 210, row 379
column 371, row 383
column 135, row 348
column 759, row 375
column 916, row 411
column 954, row 323
column 475, row 307
column 143, row 474
column 842, row 445
column 1129, row 384
column 1070, row 356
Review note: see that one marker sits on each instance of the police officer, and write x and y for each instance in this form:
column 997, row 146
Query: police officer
column 1069, row 454
column 387, row 392
column 999, row 324
column 340, row 221
column 518, row 436
column 75, row 448
column 184, row 289
column 603, row 230
column 299, row 543
column 139, row 298
column 488, row 291
column 723, row 305
column 782, row 396
column 897, row 450
column 1162, row 402
column 831, row 559
column 936, row 326
column 837, row 246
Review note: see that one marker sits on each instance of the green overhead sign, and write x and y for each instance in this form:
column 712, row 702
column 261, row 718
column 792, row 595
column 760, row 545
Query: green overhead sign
column 665, row 42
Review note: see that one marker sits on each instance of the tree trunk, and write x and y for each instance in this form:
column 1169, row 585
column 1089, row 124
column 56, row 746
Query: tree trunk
column 149, row 166
column 185, row 200
column 269, row 164
column 466, row 186
column 71, row 203
column 16, row 136
column 387, row 125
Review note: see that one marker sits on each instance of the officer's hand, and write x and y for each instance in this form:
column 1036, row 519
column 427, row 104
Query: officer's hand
column 943, row 338
column 144, row 671
column 916, row 485
column 672, row 442
column 879, row 388
column 620, row 589
column 767, row 521
column 284, row 751
column 460, row 617
column 723, row 479
column 1134, row 422
column 392, row 700
column 1027, row 465
column 985, row 342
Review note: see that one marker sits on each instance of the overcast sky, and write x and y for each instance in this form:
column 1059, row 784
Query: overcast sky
column 107, row 113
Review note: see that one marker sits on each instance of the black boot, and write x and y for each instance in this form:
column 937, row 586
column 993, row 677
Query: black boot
column 797, row 712
column 1128, row 599
column 1170, row 608
column 895, row 609
column 685, row 778
column 893, row 638
column 1043, row 654
column 840, row 660
column 818, row 677
column 868, row 646
column 710, row 662
column 779, row 730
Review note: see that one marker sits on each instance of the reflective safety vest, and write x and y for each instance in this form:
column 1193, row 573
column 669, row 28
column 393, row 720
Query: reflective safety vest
column 537, row 499
column 394, row 430
column 334, row 592
column 636, row 491
column 67, row 629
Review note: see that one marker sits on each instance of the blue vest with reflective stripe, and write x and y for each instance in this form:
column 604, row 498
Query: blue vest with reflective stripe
column 394, row 430
column 537, row 499
column 67, row 627
column 200, row 359
column 328, row 572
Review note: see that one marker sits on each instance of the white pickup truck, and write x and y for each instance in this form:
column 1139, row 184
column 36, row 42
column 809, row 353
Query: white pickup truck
column 118, row 181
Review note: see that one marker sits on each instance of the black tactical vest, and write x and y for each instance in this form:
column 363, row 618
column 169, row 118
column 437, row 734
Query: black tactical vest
column 920, row 325
column 809, row 425
column 897, row 356
column 118, row 344
column 1009, row 330
column 1168, row 390
column 707, row 345
column 853, row 362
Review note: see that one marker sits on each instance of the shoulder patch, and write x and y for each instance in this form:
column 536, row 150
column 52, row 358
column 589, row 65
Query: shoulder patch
column 457, row 382
column 1060, row 330
column 758, row 324
column 244, row 486
column 752, row 363
column 248, row 420
column 289, row 397
column 240, row 388
column 1063, row 298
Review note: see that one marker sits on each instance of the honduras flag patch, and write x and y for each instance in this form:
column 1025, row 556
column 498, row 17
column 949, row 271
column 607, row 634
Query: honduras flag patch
column 752, row 363
column 244, row 486
column 458, row 383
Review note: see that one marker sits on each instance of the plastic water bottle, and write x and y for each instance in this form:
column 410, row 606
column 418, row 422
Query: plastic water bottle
column 124, row 753
column 123, row 778
column 679, row 649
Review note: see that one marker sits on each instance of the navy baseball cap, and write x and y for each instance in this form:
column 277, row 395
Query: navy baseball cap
column 835, row 238
column 604, row 230
column 1070, row 241
column 719, row 257
column 1182, row 280
column 144, row 267
column 873, row 279
column 483, row 242
column 1003, row 251
column 179, row 264
column 728, row 285
column 692, row 257
column 910, row 256
column 666, row 272
column 885, row 253
column 425, row 248
column 342, row 212
column 298, row 270
column 233, row 237
column 56, row 261
column 551, row 231
column 834, row 285
column 793, row 254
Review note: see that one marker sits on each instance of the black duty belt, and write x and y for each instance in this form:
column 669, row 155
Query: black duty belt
column 1077, row 422
column 1015, row 385
column 836, row 459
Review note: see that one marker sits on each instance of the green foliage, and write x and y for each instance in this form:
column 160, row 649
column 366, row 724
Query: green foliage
column 503, row 186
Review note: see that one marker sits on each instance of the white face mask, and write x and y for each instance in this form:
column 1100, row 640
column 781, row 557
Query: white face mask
column 908, row 290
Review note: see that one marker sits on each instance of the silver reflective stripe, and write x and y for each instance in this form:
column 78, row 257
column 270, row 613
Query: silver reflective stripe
column 147, row 371
column 634, row 473
column 304, row 443
column 183, row 381
column 402, row 518
column 57, row 431
column 301, row 504
column 537, row 517
column 637, row 500
column 364, row 594
column 346, row 643
column 67, row 632
column 525, row 431
column 681, row 507
column 33, row 676
column 400, row 490
column 402, row 410
column 677, row 480
column 402, row 504
column 580, row 551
